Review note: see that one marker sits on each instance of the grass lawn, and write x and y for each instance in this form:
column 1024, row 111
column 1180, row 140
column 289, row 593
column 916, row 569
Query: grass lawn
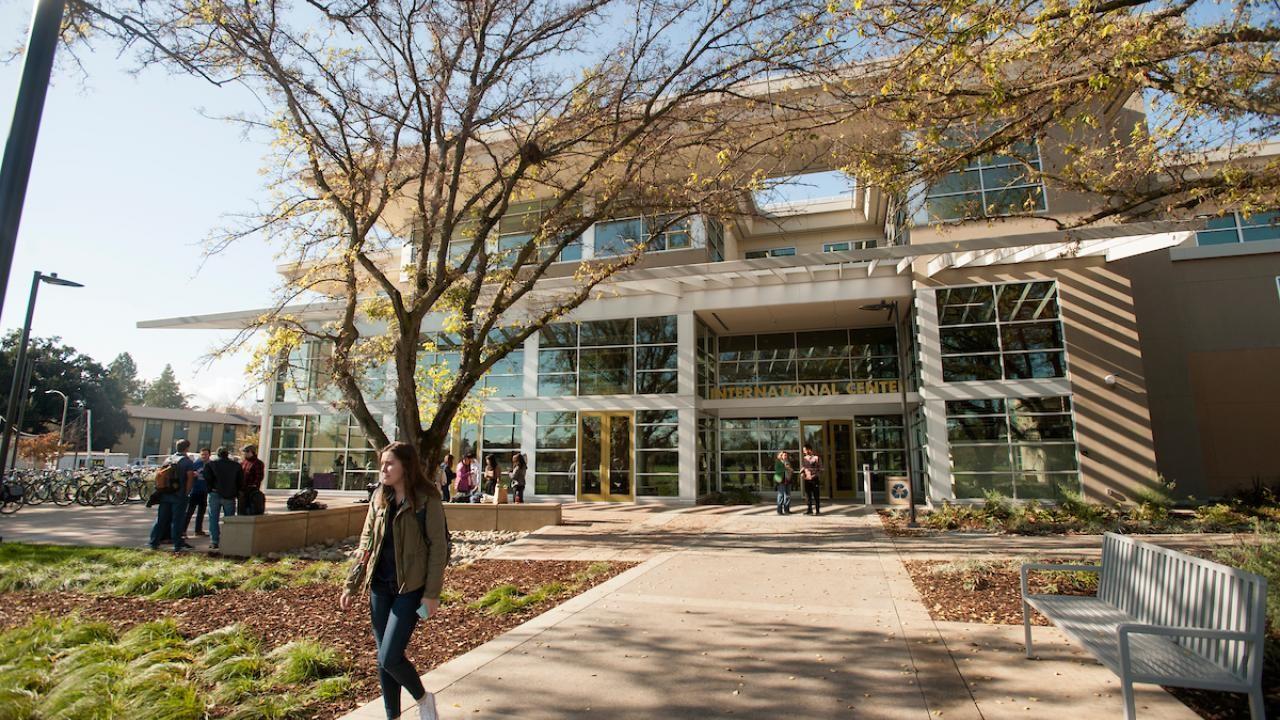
column 118, row 633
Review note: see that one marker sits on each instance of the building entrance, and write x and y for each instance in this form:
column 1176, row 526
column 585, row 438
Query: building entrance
column 604, row 448
column 833, row 441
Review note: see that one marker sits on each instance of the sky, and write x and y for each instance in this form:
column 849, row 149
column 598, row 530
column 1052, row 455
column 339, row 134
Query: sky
column 129, row 179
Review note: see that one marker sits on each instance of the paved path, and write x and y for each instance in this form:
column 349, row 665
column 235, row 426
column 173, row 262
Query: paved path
column 749, row 615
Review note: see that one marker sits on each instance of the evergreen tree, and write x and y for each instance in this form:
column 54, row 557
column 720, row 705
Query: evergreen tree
column 165, row 391
column 125, row 373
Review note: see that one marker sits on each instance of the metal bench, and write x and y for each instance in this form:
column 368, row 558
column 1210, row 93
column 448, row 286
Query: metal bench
column 1163, row 617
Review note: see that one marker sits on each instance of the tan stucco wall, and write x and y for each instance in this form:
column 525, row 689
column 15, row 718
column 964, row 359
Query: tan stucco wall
column 1210, row 332
column 132, row 443
column 1100, row 327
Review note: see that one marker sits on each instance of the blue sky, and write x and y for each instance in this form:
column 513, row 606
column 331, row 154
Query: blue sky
column 129, row 179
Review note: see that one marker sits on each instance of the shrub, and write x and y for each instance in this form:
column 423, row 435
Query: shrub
column 996, row 505
column 305, row 660
column 730, row 496
column 1219, row 518
column 334, row 688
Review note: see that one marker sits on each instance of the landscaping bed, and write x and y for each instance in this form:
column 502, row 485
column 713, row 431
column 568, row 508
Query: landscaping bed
column 1073, row 515
column 989, row 591
column 291, row 652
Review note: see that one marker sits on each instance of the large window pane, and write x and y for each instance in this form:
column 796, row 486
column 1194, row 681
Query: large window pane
column 607, row 332
column 618, row 237
column 656, row 330
column 971, row 367
column 969, row 339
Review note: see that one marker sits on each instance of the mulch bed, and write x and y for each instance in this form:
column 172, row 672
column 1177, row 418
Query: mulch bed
column 311, row 611
column 996, row 599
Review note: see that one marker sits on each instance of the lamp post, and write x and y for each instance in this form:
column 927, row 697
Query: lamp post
column 62, row 426
column 895, row 316
column 18, row 387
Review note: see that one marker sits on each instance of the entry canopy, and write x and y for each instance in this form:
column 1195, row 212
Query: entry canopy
column 1113, row 242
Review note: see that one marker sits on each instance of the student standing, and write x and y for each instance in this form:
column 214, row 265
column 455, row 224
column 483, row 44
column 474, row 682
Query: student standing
column 466, row 478
column 404, row 551
column 810, row 473
column 782, row 475
column 492, row 474
column 198, row 504
column 171, row 511
column 519, row 469
column 226, row 482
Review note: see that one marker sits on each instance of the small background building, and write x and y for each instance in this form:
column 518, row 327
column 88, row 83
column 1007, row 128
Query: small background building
column 155, row 430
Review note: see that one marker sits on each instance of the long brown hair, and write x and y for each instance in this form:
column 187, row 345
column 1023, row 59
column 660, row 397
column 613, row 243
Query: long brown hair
column 417, row 486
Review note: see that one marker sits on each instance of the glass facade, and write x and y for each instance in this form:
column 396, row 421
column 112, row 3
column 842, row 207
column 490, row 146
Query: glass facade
column 657, row 458
column 151, row 430
column 1022, row 448
column 1001, row 332
column 991, row 186
column 621, row 236
column 328, row 452
column 880, row 445
column 608, row 357
column 748, row 447
column 806, row 357
column 556, row 467
column 505, row 377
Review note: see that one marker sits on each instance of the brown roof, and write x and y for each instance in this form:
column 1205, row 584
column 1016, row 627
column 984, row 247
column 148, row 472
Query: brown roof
column 155, row 413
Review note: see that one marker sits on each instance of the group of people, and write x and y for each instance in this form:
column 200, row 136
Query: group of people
column 467, row 482
column 810, row 476
column 205, row 484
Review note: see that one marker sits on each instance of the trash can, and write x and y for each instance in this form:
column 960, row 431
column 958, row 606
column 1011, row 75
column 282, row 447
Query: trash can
column 897, row 488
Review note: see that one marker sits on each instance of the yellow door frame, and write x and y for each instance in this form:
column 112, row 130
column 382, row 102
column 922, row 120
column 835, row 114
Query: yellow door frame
column 606, row 456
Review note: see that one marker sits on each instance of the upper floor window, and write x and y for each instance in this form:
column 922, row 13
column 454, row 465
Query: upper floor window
column 772, row 252
column 658, row 233
column 1001, row 332
column 608, row 357
column 991, row 186
column 505, row 377
column 848, row 245
column 1235, row 228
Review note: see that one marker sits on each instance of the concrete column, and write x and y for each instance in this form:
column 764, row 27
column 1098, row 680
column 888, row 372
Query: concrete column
column 937, row 452
column 687, row 385
column 529, row 419
column 688, row 454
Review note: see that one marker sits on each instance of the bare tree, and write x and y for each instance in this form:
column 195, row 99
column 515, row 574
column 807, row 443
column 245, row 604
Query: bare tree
column 434, row 121
column 951, row 82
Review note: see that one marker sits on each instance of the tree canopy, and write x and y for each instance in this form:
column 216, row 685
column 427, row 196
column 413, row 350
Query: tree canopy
column 125, row 373
column 165, row 391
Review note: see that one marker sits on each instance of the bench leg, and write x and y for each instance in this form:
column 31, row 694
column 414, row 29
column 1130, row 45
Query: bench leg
column 1257, row 706
column 1130, row 707
column 1026, row 627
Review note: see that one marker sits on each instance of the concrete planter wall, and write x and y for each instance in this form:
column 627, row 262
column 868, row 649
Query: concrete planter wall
column 250, row 535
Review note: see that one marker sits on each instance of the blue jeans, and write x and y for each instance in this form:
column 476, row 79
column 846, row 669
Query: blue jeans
column 217, row 503
column 784, row 498
column 171, row 513
column 394, row 617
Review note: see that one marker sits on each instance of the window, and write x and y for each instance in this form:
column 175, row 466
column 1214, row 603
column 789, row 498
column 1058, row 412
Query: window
column 657, row 459
column 1236, row 228
column 151, row 430
column 608, row 357
column 500, row 436
column 991, row 186
column 181, row 431
column 773, row 252
column 206, row 436
column 749, row 447
column 848, row 245
column 995, row 332
column 715, row 239
column 658, row 233
column 557, row 459
column 307, row 374
column 327, row 452
column 505, row 377
column 807, row 357
column 708, row 441
column 229, row 437
column 879, row 443
column 1020, row 447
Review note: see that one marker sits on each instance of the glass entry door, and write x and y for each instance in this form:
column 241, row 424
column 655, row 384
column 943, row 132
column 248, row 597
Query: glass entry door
column 833, row 441
column 604, row 467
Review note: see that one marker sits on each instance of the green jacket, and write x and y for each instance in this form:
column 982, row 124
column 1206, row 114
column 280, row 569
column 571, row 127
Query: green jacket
column 418, row 564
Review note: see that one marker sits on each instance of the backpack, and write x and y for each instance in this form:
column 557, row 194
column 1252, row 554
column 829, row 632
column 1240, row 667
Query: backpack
column 448, row 537
column 165, row 478
column 255, row 503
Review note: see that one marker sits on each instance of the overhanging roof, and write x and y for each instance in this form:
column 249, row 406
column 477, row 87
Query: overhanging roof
column 1113, row 242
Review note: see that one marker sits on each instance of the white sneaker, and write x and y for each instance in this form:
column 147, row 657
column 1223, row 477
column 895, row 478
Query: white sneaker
column 427, row 708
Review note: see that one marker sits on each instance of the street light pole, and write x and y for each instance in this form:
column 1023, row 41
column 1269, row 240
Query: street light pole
column 62, row 426
column 22, row 414
column 18, row 387
column 15, row 169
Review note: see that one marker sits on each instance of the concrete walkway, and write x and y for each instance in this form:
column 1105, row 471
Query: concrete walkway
column 741, row 614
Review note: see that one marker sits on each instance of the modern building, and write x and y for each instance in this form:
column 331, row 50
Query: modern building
column 155, row 430
column 1037, row 363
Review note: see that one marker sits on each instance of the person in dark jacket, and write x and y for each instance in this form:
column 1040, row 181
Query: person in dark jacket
column 226, row 481
column 519, row 469
column 197, row 504
column 403, row 552
column 254, row 472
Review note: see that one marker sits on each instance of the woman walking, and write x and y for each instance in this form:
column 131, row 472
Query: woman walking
column 782, row 473
column 403, row 554
column 519, row 468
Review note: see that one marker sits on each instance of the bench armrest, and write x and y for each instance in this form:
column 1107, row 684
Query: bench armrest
column 1027, row 567
column 1124, row 630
